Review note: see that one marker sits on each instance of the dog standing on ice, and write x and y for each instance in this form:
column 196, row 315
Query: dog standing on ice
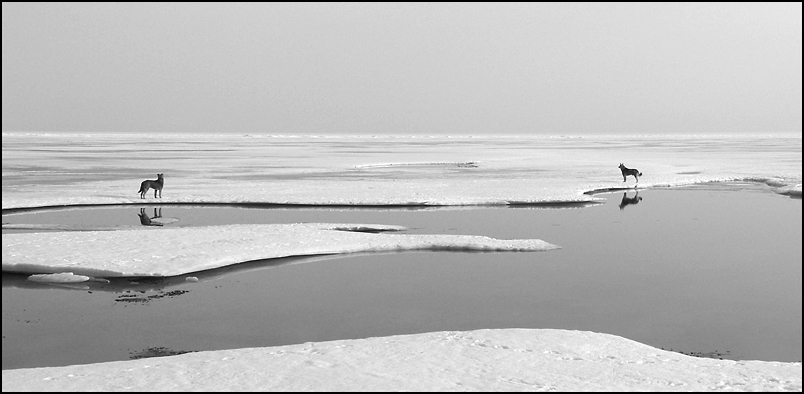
column 149, row 184
column 630, row 171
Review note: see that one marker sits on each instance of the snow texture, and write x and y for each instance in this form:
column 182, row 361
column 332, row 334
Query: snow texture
column 154, row 251
column 482, row 360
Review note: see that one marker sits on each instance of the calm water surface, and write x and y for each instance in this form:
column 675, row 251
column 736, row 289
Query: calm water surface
column 711, row 270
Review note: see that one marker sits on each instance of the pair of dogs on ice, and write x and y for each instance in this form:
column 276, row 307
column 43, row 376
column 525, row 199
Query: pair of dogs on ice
column 159, row 182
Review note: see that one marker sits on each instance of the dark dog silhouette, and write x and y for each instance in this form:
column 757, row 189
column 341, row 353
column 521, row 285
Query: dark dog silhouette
column 151, row 184
column 630, row 171
column 146, row 221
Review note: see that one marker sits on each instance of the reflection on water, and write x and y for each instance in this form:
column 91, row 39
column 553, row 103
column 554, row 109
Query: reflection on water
column 629, row 201
column 145, row 220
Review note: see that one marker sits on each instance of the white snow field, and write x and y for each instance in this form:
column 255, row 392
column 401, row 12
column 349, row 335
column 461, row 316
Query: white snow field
column 174, row 251
column 482, row 360
column 41, row 169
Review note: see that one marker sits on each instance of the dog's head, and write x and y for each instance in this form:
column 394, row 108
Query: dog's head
column 160, row 176
column 621, row 166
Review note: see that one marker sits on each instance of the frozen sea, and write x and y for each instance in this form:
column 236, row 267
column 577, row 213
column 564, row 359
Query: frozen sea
column 67, row 169
column 70, row 204
column 72, row 170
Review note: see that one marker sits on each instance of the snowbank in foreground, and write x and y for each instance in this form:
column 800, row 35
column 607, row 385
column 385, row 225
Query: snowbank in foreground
column 150, row 251
column 482, row 360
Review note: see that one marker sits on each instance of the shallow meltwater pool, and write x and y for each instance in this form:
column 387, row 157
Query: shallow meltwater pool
column 713, row 271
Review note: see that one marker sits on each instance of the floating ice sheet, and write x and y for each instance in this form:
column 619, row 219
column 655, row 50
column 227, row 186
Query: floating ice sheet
column 155, row 251
column 61, row 277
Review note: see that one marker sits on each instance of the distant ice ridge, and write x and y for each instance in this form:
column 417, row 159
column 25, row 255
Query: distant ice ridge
column 176, row 251
column 467, row 164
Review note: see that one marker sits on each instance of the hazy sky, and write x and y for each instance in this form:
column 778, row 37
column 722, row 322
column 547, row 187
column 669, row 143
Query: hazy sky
column 403, row 68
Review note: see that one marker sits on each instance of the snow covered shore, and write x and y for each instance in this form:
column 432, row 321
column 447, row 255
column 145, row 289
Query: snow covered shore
column 482, row 360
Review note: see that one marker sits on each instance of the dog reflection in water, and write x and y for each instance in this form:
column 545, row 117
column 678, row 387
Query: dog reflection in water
column 146, row 221
column 628, row 201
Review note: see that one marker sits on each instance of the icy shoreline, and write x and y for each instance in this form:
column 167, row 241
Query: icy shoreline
column 51, row 169
column 388, row 193
column 481, row 360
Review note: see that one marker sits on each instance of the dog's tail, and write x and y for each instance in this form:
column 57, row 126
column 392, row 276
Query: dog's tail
column 640, row 174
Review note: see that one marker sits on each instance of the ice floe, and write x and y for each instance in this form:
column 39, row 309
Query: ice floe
column 158, row 251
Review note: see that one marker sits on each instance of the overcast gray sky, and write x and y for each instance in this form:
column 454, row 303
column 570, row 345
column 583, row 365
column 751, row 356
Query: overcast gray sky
column 403, row 68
